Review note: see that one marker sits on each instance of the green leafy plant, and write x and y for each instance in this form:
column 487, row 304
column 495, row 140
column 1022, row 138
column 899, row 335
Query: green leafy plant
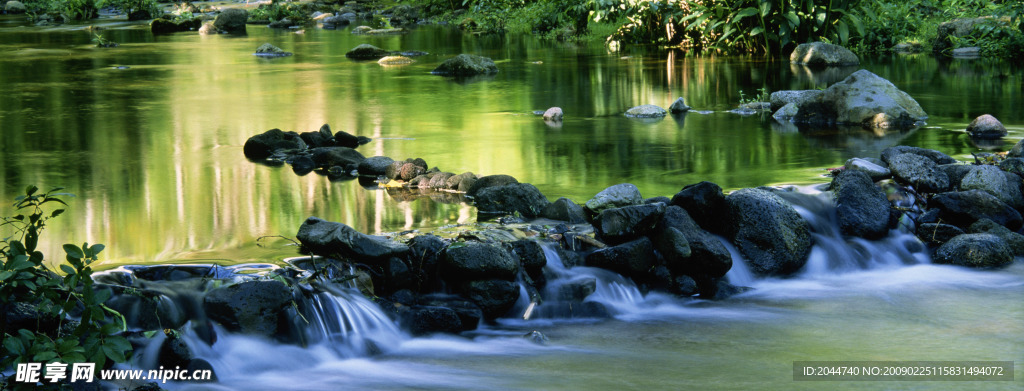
column 103, row 42
column 26, row 281
column 763, row 95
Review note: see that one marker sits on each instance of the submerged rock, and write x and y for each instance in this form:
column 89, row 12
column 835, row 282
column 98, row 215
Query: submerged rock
column 646, row 111
column 873, row 169
column 164, row 26
column 798, row 98
column 466, row 65
column 366, row 52
column 268, row 50
column 263, row 145
column 768, row 231
column 553, row 114
column 395, row 60
column 823, row 54
column 863, row 96
column 494, row 297
column 975, row 250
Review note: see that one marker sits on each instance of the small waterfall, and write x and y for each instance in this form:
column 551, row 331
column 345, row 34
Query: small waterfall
column 582, row 292
column 350, row 323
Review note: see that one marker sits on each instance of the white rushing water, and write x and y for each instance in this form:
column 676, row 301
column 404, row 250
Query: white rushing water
column 855, row 299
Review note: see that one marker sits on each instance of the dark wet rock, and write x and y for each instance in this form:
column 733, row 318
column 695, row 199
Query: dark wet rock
column 673, row 246
column 798, row 98
column 990, row 179
column 151, row 386
column 768, row 232
column 724, row 290
column 931, row 154
column 553, row 114
column 785, row 114
column 19, row 315
column 329, row 238
column 366, row 52
column 425, row 257
column 1017, row 150
column 317, row 139
column 231, row 21
column 1013, row 165
column 531, row 256
column 975, row 250
column 617, row 196
column 466, row 261
column 632, row 259
column 678, row 106
column 619, row 225
column 327, row 157
column 577, row 290
column 399, row 276
column 164, row 26
column 466, row 65
column 920, row 172
column 956, row 173
column 683, row 286
column 375, row 166
column 423, row 320
column 334, row 22
column 938, row 233
column 394, row 169
column 708, row 256
column 874, row 170
column 494, row 297
column 704, row 202
column 455, row 181
column 268, row 50
column 146, row 310
column 963, row 208
column 490, row 181
column 251, row 307
column 646, row 111
column 861, row 207
column 564, row 209
column 1014, row 240
column 522, row 198
column 261, row 146
column 409, row 171
column 823, row 54
column 468, row 312
column 174, row 352
column 658, row 199
column 986, row 127
column 344, row 139
column 198, row 364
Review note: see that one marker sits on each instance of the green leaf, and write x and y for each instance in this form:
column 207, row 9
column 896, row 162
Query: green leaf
column 844, row 32
column 14, row 345
column 102, row 295
column 794, row 20
column 96, row 248
column 74, row 251
column 45, row 356
column 756, row 30
column 745, row 13
column 67, row 269
column 56, row 213
column 6, row 274
column 766, row 7
column 20, row 262
column 119, row 343
column 30, row 190
column 113, row 354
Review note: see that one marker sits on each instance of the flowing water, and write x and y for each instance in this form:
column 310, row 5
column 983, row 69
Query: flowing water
column 149, row 136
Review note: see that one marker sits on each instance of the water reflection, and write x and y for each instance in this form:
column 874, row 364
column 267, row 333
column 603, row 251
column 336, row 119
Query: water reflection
column 154, row 151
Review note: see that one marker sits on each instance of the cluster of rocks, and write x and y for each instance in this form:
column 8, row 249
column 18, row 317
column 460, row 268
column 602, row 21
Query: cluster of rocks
column 862, row 99
column 654, row 111
column 333, row 154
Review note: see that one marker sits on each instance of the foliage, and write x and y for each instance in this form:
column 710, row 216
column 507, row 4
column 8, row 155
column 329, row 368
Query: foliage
column 130, row 6
column 67, row 10
column 103, row 42
column 25, row 279
column 296, row 12
column 763, row 95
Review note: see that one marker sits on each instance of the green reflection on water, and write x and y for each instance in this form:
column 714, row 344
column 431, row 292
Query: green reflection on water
column 154, row 151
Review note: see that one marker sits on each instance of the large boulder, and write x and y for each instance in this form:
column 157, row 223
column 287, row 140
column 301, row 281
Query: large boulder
column 646, row 111
column 423, row 320
column 375, row 166
column 920, row 172
column 366, row 52
column 623, row 194
column 768, row 231
column 531, row 256
column 963, row 208
column 678, row 106
column 252, row 307
column 164, row 26
column 708, row 256
column 862, row 99
column 261, row 146
column 494, row 297
column 861, row 207
column 1012, row 239
column 231, row 21
column 327, row 157
column 823, row 54
column 938, row 233
column 15, row 7
column 986, row 127
column 990, row 179
column 466, row 261
column 522, row 198
column 633, row 259
column 619, row 225
column 975, row 250
column 466, row 65
column 330, row 238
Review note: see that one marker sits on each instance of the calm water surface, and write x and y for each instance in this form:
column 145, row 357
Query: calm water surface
column 154, row 153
